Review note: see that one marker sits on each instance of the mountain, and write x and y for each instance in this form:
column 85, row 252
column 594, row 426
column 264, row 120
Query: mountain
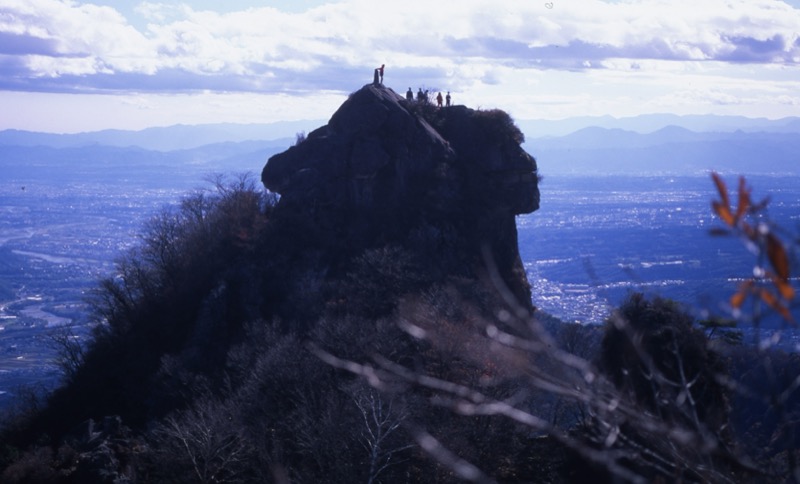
column 376, row 172
column 685, row 145
column 647, row 123
column 182, row 137
column 374, row 323
column 670, row 150
column 99, row 162
column 171, row 138
column 604, row 138
column 391, row 213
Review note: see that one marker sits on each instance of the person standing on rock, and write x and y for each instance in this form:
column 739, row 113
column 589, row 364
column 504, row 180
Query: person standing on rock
column 420, row 95
column 380, row 71
column 439, row 99
column 409, row 95
column 447, row 99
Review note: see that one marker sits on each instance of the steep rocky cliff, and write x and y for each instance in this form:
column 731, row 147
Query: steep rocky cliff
column 386, row 170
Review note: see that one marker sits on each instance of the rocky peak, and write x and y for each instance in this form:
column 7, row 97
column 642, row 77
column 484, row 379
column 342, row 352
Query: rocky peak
column 384, row 169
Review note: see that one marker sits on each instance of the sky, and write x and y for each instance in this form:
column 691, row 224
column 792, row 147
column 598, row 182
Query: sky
column 70, row 66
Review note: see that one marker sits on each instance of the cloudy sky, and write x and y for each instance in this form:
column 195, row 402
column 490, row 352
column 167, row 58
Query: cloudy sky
column 68, row 66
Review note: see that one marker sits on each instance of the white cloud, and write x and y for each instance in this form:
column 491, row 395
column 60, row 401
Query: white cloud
column 358, row 33
column 588, row 55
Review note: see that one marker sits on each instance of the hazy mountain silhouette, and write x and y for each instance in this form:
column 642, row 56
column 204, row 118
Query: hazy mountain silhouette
column 647, row 123
column 171, row 138
column 103, row 161
column 686, row 144
column 670, row 150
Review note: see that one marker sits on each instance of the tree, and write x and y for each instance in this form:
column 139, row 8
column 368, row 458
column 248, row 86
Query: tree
column 69, row 351
column 652, row 350
column 202, row 445
column 382, row 419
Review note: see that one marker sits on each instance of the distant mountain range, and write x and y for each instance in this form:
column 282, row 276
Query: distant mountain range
column 670, row 150
column 170, row 138
column 101, row 162
column 647, row 144
column 648, row 123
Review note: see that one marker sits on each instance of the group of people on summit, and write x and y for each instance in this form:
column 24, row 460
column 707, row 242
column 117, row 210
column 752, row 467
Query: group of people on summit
column 422, row 96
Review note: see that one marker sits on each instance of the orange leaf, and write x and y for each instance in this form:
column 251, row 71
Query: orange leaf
column 777, row 257
column 773, row 302
column 721, row 188
column 744, row 199
column 738, row 299
column 724, row 213
column 744, row 288
column 784, row 312
column 784, row 288
column 769, row 298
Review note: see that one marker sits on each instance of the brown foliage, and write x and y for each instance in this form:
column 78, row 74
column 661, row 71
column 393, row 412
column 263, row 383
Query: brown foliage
column 771, row 286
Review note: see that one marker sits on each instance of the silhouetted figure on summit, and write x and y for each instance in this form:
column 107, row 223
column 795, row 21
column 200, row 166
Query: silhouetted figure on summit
column 380, row 71
column 439, row 100
column 447, row 99
column 421, row 96
column 409, row 95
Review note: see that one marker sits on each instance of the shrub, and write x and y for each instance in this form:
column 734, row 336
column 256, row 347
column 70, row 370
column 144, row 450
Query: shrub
column 652, row 350
column 499, row 125
column 203, row 445
column 35, row 465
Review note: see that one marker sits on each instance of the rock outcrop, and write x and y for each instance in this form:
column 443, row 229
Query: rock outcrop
column 394, row 210
column 388, row 171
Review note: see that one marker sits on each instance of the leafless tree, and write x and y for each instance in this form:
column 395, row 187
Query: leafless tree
column 381, row 419
column 622, row 430
column 69, row 351
column 207, row 442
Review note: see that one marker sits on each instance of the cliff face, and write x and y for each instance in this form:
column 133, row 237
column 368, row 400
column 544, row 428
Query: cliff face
column 388, row 171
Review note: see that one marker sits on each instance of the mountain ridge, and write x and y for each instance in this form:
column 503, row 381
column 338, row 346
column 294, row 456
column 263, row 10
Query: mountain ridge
column 182, row 136
column 671, row 149
column 647, row 123
column 169, row 138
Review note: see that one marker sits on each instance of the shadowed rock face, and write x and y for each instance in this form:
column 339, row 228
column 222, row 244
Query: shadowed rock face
column 384, row 168
column 488, row 146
